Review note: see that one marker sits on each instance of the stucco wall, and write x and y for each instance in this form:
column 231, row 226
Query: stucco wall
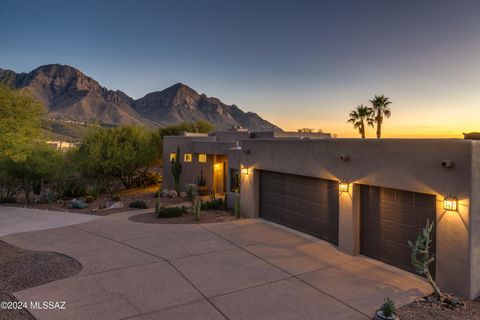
column 413, row 165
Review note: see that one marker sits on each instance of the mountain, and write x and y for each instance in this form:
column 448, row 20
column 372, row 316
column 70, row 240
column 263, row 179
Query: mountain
column 70, row 95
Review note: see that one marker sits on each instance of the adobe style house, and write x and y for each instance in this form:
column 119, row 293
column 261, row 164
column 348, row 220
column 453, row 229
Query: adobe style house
column 365, row 196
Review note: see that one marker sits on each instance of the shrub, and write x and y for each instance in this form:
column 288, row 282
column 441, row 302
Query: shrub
column 74, row 189
column 147, row 179
column 8, row 200
column 216, row 204
column 138, row 204
column 48, row 197
column 170, row 212
column 89, row 199
column 116, row 198
column 388, row 308
column 191, row 191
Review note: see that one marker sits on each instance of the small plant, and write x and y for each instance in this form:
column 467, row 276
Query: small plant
column 116, row 198
column 197, row 206
column 388, row 308
column 191, row 191
column 421, row 258
column 89, row 199
column 170, row 212
column 138, row 204
column 216, row 204
column 8, row 200
column 157, row 205
column 177, row 170
column 237, row 207
column 48, row 197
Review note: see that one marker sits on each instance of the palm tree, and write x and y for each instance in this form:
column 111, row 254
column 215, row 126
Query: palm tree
column 359, row 116
column 381, row 106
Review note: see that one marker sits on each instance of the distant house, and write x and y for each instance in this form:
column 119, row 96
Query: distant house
column 62, row 145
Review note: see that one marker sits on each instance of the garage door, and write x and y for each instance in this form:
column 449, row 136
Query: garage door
column 389, row 218
column 307, row 204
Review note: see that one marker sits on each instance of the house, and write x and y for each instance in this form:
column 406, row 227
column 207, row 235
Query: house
column 365, row 196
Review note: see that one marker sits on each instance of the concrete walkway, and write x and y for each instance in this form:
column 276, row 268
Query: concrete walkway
column 246, row 269
column 15, row 220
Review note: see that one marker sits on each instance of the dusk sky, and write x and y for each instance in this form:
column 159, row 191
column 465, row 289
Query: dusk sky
column 295, row 63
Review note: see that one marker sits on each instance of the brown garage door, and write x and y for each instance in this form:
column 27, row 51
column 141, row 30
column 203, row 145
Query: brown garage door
column 390, row 218
column 307, row 204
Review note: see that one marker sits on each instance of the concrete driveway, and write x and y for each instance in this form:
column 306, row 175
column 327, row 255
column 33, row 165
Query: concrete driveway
column 247, row 269
column 15, row 220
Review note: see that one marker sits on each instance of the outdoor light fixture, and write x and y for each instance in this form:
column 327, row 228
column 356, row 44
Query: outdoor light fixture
column 342, row 186
column 244, row 171
column 450, row 204
column 216, row 166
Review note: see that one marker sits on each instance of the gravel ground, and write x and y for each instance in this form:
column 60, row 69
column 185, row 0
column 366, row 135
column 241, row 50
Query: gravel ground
column 206, row 216
column 21, row 269
column 422, row 310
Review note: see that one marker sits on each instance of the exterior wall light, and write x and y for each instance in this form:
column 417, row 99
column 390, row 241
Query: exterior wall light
column 343, row 186
column 244, row 171
column 450, row 204
column 216, row 166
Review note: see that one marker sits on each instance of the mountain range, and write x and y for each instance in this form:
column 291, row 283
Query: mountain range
column 69, row 95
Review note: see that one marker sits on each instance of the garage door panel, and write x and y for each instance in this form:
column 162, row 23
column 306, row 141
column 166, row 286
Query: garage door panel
column 307, row 204
column 389, row 218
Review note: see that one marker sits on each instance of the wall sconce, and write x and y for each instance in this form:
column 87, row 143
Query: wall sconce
column 450, row 204
column 216, row 166
column 343, row 186
column 244, row 171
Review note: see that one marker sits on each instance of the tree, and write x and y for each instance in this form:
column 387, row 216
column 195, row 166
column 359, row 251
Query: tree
column 381, row 106
column 177, row 170
column 199, row 126
column 39, row 165
column 359, row 116
column 20, row 120
column 307, row 130
column 117, row 154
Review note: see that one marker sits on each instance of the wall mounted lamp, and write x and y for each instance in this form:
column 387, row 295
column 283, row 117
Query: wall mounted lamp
column 450, row 204
column 343, row 186
column 244, row 171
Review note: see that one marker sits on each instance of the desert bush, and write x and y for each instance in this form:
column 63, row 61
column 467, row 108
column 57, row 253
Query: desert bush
column 192, row 191
column 89, row 199
column 116, row 198
column 215, row 204
column 48, row 197
column 170, row 212
column 146, row 179
column 138, row 204
column 8, row 200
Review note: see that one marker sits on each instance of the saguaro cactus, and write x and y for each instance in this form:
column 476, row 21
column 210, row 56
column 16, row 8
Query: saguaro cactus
column 177, row 170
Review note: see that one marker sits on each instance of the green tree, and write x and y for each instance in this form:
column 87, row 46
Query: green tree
column 359, row 116
column 381, row 106
column 199, row 126
column 39, row 165
column 117, row 154
column 20, row 120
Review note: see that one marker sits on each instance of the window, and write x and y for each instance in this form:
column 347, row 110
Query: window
column 187, row 157
column 173, row 156
column 235, row 180
column 202, row 157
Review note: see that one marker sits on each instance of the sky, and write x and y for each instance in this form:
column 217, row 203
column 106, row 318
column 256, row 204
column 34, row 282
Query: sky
column 295, row 63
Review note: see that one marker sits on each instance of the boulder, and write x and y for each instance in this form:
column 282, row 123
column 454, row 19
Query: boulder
column 172, row 194
column 183, row 194
column 115, row 205
column 164, row 193
column 79, row 204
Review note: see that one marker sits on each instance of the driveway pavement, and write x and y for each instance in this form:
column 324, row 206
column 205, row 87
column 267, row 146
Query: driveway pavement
column 247, row 269
column 15, row 220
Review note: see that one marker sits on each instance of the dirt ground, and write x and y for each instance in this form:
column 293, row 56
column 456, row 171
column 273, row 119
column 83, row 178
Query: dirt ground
column 206, row 216
column 126, row 197
column 423, row 310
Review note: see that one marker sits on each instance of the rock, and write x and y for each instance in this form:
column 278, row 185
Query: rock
column 183, row 194
column 79, row 204
column 115, row 205
column 172, row 194
column 164, row 193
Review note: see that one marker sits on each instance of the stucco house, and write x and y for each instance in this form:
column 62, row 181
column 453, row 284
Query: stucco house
column 365, row 196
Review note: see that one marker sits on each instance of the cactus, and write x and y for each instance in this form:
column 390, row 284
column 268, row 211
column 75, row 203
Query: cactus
column 157, row 206
column 197, row 205
column 177, row 170
column 237, row 206
column 420, row 256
